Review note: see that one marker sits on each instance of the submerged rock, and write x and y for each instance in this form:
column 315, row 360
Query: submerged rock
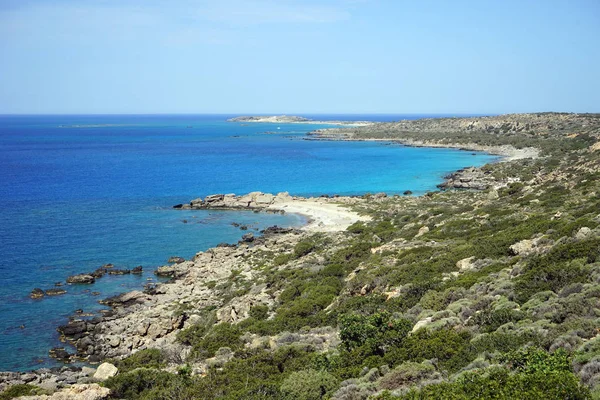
column 37, row 293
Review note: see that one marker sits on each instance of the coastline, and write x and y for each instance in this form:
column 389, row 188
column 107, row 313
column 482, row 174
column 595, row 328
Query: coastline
column 132, row 308
column 507, row 152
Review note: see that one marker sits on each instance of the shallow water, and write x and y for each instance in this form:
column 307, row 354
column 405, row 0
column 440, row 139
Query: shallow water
column 81, row 191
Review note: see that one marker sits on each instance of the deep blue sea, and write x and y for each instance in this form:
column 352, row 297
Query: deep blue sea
column 77, row 192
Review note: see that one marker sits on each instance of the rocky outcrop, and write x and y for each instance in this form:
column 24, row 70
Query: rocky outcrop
column 140, row 320
column 250, row 201
column 81, row 279
column 468, row 178
column 75, row 392
column 37, row 293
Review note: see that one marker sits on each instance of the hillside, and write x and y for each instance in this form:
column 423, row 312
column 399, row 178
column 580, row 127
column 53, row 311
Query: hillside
column 458, row 294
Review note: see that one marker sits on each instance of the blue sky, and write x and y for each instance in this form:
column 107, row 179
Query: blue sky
column 299, row 56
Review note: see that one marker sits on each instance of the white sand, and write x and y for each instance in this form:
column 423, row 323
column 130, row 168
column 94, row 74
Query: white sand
column 323, row 216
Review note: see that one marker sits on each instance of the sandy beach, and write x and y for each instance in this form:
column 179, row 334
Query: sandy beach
column 323, row 216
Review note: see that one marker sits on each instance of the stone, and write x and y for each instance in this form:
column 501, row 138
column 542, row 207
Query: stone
column 60, row 354
column 119, row 271
column 105, row 371
column 137, row 270
column 523, row 247
column 421, row 324
column 248, row 237
column 176, row 260
column 37, row 293
column 81, row 279
column 583, row 233
column 466, row 264
column 55, row 292
column 422, row 231
column 213, row 198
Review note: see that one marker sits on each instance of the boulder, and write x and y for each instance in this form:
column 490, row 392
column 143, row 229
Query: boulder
column 105, row 371
column 37, row 293
column 521, row 248
column 137, row 270
column 81, row 278
column 583, row 233
column 466, row 264
column 248, row 237
column 60, row 354
column 119, row 271
column 176, row 260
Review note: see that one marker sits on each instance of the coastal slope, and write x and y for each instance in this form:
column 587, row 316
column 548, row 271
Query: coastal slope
column 448, row 294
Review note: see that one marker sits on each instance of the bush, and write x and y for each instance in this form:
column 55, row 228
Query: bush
column 221, row 335
column 309, row 385
column 149, row 358
column 21, row 390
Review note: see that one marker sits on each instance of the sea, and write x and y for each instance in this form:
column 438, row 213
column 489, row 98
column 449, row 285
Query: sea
column 81, row 191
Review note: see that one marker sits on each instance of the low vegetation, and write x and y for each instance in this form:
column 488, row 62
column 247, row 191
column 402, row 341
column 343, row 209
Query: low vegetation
column 499, row 298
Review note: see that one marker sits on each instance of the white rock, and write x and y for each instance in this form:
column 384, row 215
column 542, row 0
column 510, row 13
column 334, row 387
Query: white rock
column 105, row 371
column 583, row 233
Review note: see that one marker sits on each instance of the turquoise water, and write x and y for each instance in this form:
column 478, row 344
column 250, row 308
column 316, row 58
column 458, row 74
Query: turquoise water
column 78, row 192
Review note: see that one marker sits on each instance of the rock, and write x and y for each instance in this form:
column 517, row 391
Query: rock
column 466, row 264
column 74, row 392
column 105, row 371
column 407, row 192
column 125, row 299
column 119, row 272
column 264, row 199
column 108, row 266
column 60, row 354
column 99, row 273
column 282, row 197
column 81, row 279
column 381, row 195
column 73, row 328
column 87, row 371
column 213, row 198
column 55, row 292
column 523, row 247
column 422, row 231
column 176, row 260
column 137, row 270
column 583, row 233
column 248, row 237
column 37, row 293
column 421, row 324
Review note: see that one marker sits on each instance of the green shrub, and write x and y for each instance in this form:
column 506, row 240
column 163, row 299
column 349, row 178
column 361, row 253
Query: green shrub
column 309, row 385
column 259, row 312
column 221, row 335
column 148, row 358
column 21, row 390
column 303, row 248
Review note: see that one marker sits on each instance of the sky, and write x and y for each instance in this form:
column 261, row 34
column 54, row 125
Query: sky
column 299, row 56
